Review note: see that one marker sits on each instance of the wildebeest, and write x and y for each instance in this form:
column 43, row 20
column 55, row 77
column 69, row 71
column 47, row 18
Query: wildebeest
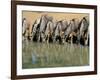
column 84, row 31
column 25, row 29
column 39, row 28
column 35, row 29
column 60, row 30
column 45, row 29
column 71, row 31
column 43, row 23
column 49, row 31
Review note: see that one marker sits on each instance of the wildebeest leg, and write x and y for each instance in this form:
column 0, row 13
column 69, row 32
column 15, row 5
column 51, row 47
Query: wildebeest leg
column 54, row 39
column 31, row 37
column 47, row 39
column 58, row 39
column 86, row 42
column 79, row 37
column 71, row 40
column 86, row 39
column 66, row 38
column 23, row 35
column 71, row 36
column 63, row 40
column 39, row 36
column 42, row 38
column 26, row 34
column 62, row 37
column 25, row 38
column 50, row 39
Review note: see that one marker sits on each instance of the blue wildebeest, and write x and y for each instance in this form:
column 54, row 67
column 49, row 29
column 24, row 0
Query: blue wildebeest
column 60, row 30
column 35, row 29
column 25, row 29
column 71, row 31
column 39, row 28
column 83, row 36
column 49, row 31
column 43, row 25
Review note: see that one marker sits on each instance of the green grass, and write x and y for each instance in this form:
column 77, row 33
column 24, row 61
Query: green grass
column 54, row 55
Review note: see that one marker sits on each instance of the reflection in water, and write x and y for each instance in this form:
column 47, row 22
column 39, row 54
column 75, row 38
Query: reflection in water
column 34, row 58
column 42, row 55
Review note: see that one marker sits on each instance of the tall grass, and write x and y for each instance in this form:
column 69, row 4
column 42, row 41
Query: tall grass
column 42, row 55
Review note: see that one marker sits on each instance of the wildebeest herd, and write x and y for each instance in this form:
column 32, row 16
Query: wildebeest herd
column 45, row 29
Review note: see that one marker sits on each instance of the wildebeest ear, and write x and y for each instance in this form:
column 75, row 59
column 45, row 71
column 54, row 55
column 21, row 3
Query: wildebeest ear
column 84, row 18
column 73, row 19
